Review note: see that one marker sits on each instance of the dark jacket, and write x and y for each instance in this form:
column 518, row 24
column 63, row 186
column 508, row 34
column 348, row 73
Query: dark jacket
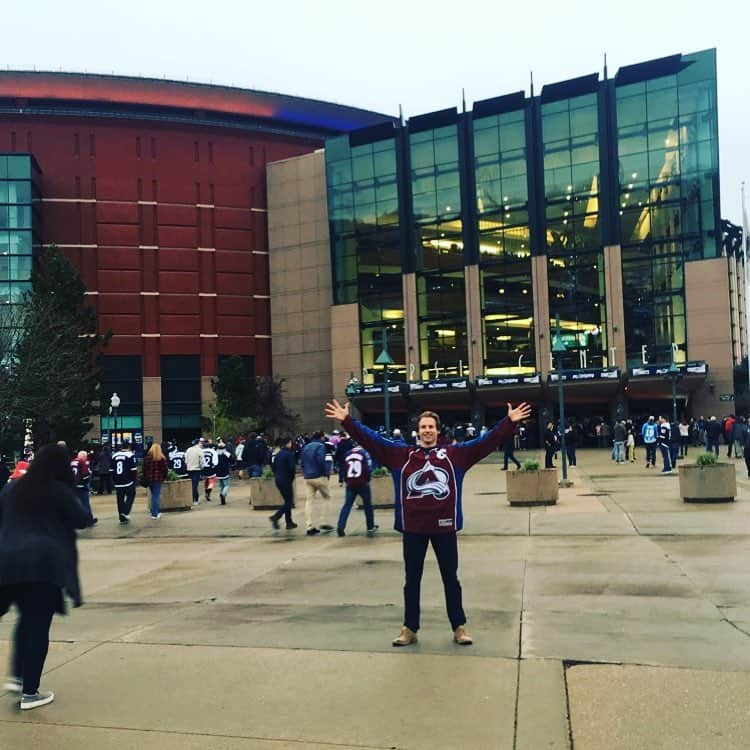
column 314, row 460
column 40, row 547
column 284, row 466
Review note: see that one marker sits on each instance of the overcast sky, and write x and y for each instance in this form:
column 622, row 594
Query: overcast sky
column 377, row 55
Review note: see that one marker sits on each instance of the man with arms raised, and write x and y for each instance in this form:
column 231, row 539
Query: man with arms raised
column 427, row 481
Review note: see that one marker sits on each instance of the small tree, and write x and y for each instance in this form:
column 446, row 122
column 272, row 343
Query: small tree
column 53, row 376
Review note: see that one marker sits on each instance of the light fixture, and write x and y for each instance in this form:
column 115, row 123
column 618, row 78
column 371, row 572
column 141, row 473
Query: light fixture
column 501, row 290
column 635, row 174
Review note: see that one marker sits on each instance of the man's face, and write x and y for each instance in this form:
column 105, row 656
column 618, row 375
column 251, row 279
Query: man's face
column 428, row 432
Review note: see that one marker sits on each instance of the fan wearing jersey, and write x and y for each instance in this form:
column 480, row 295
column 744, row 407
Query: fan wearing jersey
column 124, row 473
column 224, row 463
column 355, row 468
column 427, row 483
column 177, row 463
column 210, row 462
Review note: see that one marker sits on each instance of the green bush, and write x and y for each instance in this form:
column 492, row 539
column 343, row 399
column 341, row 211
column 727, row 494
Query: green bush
column 706, row 459
column 173, row 476
column 381, row 471
column 530, row 465
column 268, row 472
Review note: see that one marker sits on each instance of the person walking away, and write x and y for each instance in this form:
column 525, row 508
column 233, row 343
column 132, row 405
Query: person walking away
column 727, row 429
column 104, row 471
column 39, row 514
column 713, row 433
column 746, row 451
column 177, row 463
column 344, row 445
column 315, row 470
column 224, row 463
column 620, row 435
column 550, row 445
column 357, row 466
column 210, row 460
column 124, row 466
column 427, row 482
column 509, row 445
column 284, row 466
column 648, row 433
column 194, row 466
column 155, row 473
column 684, row 429
column 739, row 428
column 663, row 440
column 630, row 444
column 82, row 481
column 571, row 443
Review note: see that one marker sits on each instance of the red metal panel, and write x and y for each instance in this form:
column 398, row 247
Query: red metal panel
column 208, row 315
column 244, row 305
column 178, row 260
column 234, row 283
column 179, row 304
column 176, row 215
column 150, row 307
column 174, row 282
column 119, row 258
column 234, row 239
column 121, row 324
column 233, row 325
column 116, row 303
column 263, row 316
column 233, row 218
column 240, row 345
column 177, row 237
column 207, row 278
column 117, row 234
column 119, row 281
column 124, row 344
column 180, row 345
column 186, row 325
column 116, row 213
column 234, row 262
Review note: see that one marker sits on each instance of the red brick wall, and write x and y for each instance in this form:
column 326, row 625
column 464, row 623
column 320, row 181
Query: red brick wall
column 145, row 208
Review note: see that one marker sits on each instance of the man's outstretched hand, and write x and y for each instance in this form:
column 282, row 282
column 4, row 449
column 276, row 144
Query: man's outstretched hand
column 334, row 410
column 521, row 412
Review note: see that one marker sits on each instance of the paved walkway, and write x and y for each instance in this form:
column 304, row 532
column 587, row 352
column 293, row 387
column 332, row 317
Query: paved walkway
column 619, row 618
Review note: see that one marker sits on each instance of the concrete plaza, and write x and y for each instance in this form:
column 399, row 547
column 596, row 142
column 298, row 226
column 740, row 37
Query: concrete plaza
column 619, row 618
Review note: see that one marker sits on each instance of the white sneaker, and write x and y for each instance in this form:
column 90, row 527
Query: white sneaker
column 40, row 698
column 13, row 685
column 156, row 517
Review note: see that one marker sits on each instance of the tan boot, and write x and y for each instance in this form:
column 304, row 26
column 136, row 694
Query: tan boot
column 405, row 638
column 462, row 637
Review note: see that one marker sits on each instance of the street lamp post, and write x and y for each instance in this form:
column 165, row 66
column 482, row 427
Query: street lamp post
column 674, row 374
column 114, row 405
column 558, row 349
column 385, row 359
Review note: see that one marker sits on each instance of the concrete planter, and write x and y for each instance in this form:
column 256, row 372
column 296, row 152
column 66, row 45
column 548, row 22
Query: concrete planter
column 529, row 488
column 708, row 484
column 175, row 496
column 264, row 495
column 382, row 492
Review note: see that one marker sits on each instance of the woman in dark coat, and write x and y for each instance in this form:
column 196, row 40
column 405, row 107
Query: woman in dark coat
column 39, row 514
column 550, row 445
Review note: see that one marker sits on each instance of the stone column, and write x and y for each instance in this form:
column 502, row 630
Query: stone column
column 615, row 307
column 411, row 327
column 474, row 321
column 540, row 290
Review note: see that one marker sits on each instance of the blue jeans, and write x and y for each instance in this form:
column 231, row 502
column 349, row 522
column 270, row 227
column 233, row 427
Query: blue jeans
column 155, row 488
column 286, row 489
column 712, row 445
column 254, row 470
column 351, row 493
column 620, row 451
column 84, row 496
column 665, row 457
column 651, row 453
column 445, row 547
column 223, row 489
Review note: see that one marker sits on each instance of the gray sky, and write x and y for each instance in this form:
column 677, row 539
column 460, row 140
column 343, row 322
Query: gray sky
column 377, row 55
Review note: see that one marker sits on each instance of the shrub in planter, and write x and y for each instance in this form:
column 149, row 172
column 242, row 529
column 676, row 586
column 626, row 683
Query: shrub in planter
column 381, row 487
column 264, row 495
column 707, row 480
column 176, row 493
column 530, row 485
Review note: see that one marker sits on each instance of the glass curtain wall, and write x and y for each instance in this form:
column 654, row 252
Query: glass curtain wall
column 18, row 220
column 438, row 232
column 504, row 249
column 575, row 259
column 364, row 220
column 668, row 177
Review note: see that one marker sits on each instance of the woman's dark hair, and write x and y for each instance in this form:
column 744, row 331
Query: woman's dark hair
column 51, row 464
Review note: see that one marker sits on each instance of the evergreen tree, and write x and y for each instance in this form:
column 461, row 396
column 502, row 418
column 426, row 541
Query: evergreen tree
column 234, row 391
column 53, row 378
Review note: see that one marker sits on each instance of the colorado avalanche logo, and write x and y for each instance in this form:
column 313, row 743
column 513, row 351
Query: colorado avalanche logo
column 429, row 480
